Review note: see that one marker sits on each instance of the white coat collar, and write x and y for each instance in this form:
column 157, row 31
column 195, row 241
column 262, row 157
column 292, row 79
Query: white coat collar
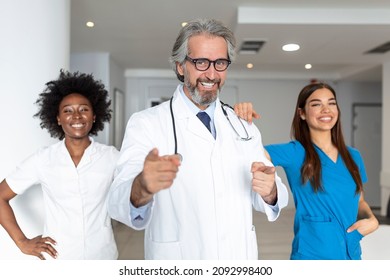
column 182, row 112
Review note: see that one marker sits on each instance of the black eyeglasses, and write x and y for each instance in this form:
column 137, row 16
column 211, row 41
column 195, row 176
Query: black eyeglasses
column 202, row 64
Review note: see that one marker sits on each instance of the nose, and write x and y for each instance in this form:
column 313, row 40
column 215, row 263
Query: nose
column 211, row 73
column 76, row 115
column 325, row 108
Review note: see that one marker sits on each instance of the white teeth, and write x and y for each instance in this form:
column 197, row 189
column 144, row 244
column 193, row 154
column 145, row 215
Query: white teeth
column 326, row 119
column 207, row 84
column 77, row 125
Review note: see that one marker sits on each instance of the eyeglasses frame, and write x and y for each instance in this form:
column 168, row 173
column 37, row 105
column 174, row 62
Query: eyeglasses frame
column 195, row 60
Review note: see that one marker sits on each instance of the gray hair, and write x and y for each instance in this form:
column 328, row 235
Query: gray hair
column 196, row 27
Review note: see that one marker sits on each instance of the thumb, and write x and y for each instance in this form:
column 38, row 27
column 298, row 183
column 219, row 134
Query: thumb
column 268, row 169
column 352, row 228
column 256, row 166
column 260, row 166
column 153, row 155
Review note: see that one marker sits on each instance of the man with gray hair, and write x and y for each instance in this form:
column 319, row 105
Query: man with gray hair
column 190, row 171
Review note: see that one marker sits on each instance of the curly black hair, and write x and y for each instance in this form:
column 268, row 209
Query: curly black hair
column 85, row 84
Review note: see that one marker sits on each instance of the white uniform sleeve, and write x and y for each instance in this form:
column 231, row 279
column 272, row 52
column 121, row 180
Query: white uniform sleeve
column 272, row 211
column 25, row 175
column 134, row 149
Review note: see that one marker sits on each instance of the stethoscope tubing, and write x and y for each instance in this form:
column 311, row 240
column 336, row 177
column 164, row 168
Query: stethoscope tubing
column 247, row 138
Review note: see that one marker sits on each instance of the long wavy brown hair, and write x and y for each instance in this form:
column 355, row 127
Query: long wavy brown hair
column 311, row 168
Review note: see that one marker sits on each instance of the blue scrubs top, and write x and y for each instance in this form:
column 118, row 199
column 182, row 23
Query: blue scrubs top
column 322, row 218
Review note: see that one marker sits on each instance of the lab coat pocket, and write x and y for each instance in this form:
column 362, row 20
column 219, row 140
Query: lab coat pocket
column 163, row 250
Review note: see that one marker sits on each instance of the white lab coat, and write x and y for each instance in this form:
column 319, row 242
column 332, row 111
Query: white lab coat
column 207, row 212
column 74, row 198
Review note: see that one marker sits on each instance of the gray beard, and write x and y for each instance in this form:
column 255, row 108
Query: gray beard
column 202, row 100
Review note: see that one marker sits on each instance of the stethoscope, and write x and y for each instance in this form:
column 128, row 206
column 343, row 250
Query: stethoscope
column 239, row 137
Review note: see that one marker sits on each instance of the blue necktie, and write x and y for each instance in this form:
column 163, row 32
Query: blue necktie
column 204, row 117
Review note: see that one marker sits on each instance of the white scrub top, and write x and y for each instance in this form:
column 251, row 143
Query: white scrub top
column 74, row 198
column 207, row 212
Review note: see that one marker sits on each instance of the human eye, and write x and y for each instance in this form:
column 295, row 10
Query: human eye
column 84, row 109
column 67, row 110
column 202, row 62
column 221, row 62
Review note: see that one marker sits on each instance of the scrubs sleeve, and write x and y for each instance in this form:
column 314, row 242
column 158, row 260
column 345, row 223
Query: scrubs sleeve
column 359, row 162
column 25, row 175
column 282, row 154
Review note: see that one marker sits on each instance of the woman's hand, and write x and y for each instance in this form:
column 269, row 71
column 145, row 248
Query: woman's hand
column 367, row 222
column 245, row 111
column 37, row 246
column 365, row 226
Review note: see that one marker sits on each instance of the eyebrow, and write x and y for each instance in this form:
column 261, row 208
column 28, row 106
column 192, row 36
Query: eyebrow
column 66, row 105
column 319, row 100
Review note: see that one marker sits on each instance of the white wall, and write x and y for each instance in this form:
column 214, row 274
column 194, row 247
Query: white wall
column 34, row 47
column 348, row 93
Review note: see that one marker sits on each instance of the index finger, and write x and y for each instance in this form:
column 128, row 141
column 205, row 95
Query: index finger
column 256, row 165
column 175, row 159
column 268, row 169
column 260, row 166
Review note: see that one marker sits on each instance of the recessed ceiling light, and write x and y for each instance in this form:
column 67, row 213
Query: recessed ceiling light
column 184, row 24
column 249, row 66
column 290, row 47
column 90, row 24
column 308, row 66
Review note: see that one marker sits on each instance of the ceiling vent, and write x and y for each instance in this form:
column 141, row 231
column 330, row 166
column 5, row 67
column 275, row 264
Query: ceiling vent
column 381, row 49
column 251, row 46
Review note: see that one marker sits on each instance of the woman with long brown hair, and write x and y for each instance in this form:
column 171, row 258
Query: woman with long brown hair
column 325, row 176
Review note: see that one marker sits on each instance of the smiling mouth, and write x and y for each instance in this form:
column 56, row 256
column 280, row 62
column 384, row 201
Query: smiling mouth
column 77, row 125
column 207, row 85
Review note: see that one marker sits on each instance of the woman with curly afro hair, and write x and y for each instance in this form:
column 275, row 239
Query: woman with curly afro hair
column 75, row 174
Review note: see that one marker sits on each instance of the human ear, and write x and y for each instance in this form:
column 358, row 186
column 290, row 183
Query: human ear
column 179, row 68
column 301, row 114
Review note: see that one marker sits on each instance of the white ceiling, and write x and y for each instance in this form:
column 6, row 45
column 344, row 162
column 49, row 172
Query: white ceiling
column 334, row 34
